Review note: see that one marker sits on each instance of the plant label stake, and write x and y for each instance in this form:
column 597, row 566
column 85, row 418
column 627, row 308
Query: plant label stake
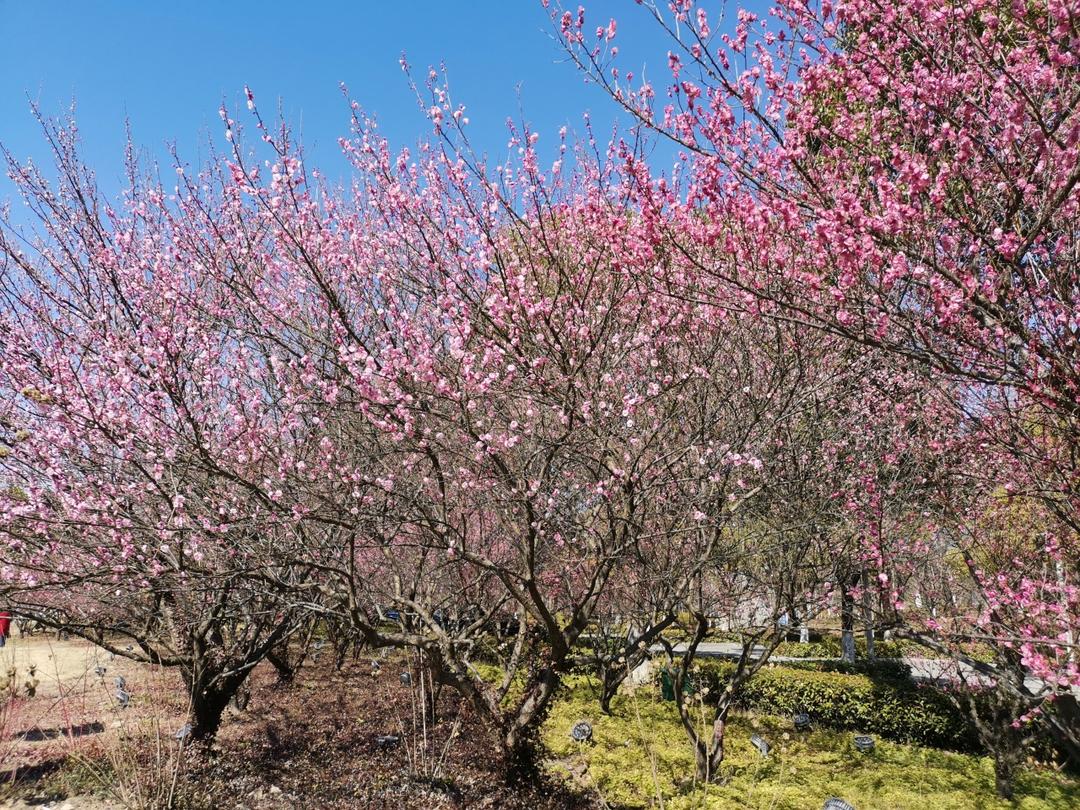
column 760, row 744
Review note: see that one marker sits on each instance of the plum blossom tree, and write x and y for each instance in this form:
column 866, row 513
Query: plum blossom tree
column 739, row 567
column 838, row 338
column 143, row 438
column 905, row 177
column 792, row 550
column 538, row 415
column 512, row 421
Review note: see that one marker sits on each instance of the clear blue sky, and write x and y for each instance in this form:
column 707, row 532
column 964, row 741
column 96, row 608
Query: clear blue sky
column 167, row 66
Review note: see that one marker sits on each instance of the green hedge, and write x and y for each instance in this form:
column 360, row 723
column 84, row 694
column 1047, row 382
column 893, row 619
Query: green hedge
column 877, row 668
column 894, row 708
column 829, row 647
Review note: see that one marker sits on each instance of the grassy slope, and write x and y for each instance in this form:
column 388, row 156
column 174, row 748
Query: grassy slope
column 801, row 772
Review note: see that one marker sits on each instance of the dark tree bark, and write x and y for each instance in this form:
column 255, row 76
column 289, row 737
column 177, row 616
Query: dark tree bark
column 210, row 695
column 286, row 672
column 847, row 618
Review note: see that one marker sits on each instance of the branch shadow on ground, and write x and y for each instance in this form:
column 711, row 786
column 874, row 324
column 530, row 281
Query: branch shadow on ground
column 81, row 730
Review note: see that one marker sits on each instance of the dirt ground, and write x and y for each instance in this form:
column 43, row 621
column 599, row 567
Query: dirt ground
column 312, row 744
column 58, row 695
column 63, row 666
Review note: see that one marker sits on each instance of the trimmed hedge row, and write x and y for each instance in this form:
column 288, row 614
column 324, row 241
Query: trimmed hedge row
column 894, row 708
column 829, row 647
column 890, row 668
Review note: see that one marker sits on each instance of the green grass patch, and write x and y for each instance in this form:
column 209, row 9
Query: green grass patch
column 640, row 757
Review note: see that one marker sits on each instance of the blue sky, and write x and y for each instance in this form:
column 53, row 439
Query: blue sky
column 167, row 66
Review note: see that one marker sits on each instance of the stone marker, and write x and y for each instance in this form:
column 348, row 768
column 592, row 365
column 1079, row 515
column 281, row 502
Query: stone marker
column 864, row 743
column 405, row 678
column 120, row 683
column 582, row 731
column 759, row 744
column 123, row 698
column 836, row 804
column 643, row 673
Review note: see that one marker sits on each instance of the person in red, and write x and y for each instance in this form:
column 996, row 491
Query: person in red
column 5, row 626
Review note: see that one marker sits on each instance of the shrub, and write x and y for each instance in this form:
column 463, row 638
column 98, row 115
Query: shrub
column 894, row 708
column 877, row 668
column 829, row 647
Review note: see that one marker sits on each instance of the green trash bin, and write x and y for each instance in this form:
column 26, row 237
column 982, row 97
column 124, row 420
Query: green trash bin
column 667, row 685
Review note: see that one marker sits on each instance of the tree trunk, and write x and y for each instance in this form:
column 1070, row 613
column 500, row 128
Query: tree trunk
column 611, row 678
column 609, row 685
column 516, row 732
column 210, row 695
column 869, row 634
column 847, row 620
column 431, row 668
column 521, row 741
column 521, row 756
column 206, row 712
column 1063, row 720
column 1005, row 743
column 868, row 617
column 994, row 713
column 847, row 628
column 707, row 759
column 1005, row 762
column 286, row 672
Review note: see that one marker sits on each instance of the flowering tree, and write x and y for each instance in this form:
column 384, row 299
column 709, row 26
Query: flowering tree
column 543, row 416
column 143, row 437
column 798, row 539
column 839, row 338
column 511, row 420
column 904, row 177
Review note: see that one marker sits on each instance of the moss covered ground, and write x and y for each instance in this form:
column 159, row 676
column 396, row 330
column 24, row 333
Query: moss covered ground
column 640, row 757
